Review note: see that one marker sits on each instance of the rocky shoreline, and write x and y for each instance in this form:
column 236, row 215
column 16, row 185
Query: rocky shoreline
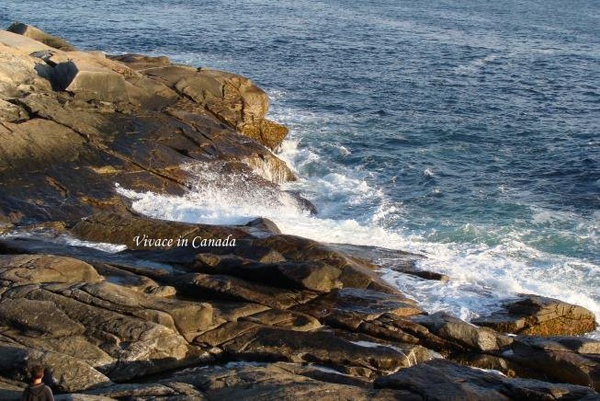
column 203, row 312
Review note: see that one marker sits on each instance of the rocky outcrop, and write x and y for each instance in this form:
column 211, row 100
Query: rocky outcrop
column 75, row 123
column 233, row 99
column 203, row 312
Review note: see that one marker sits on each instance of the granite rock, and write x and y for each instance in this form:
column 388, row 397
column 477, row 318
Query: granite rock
column 537, row 315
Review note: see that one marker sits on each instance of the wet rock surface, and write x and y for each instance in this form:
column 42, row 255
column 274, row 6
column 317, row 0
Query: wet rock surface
column 204, row 312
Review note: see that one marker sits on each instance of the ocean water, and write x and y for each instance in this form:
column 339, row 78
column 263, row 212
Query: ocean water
column 465, row 131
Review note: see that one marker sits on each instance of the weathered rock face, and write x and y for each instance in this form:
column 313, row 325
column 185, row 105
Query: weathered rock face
column 140, row 233
column 533, row 314
column 234, row 100
column 90, row 82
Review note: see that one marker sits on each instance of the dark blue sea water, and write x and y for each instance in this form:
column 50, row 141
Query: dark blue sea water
column 465, row 130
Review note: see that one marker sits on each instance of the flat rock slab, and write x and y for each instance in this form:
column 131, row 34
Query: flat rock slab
column 70, row 373
column 370, row 312
column 203, row 286
column 122, row 331
column 24, row 44
column 361, row 305
column 313, row 276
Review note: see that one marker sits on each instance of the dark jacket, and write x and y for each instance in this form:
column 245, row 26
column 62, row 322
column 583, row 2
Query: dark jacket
column 37, row 392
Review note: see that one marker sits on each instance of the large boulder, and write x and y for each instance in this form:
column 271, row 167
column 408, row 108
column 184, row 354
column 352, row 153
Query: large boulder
column 313, row 276
column 355, row 272
column 90, row 82
column 537, row 315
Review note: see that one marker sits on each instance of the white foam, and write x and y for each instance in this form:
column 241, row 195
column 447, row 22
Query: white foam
column 51, row 236
column 213, row 207
column 101, row 246
column 369, row 344
column 483, row 276
column 476, row 65
column 428, row 172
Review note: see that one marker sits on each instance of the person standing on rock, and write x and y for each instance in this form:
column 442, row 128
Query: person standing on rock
column 37, row 390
